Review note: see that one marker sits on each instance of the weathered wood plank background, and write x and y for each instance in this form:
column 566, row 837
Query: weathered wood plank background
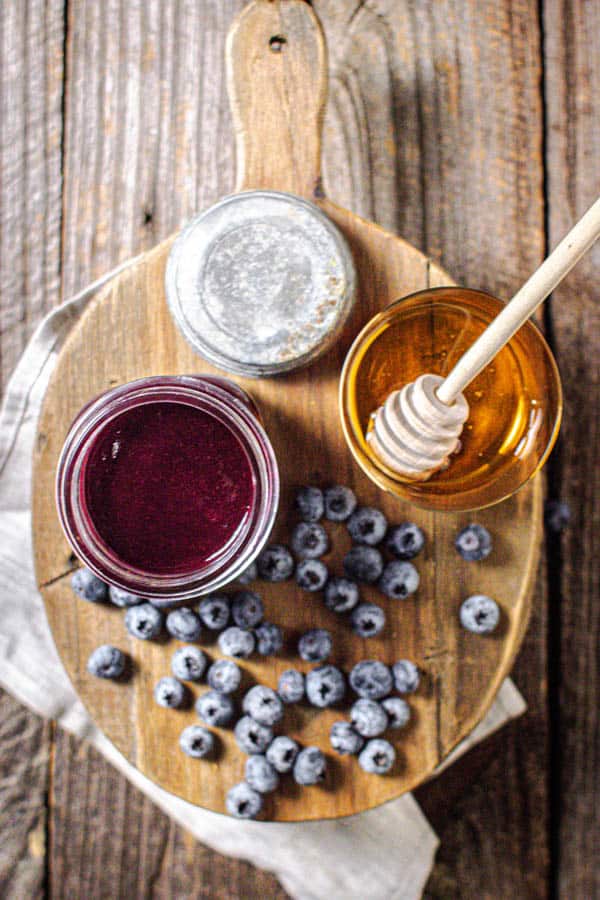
column 472, row 129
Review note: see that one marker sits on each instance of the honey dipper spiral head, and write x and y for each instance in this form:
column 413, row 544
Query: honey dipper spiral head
column 414, row 432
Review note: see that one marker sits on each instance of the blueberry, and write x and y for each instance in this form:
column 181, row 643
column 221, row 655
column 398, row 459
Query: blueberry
column 119, row 597
column 260, row 774
column 325, row 686
column 243, row 802
column 170, row 693
column 88, row 586
column 371, row 679
column 214, row 611
column 236, row 642
column 309, row 540
column 363, row 564
column 344, row 739
column 557, row 515
column 144, row 621
column 378, row 757
column 474, row 542
column 269, row 639
column 251, row 736
column 188, row 663
column 247, row 609
column 367, row 526
column 106, row 662
column 184, row 624
column 248, row 575
column 398, row 711
column 405, row 541
column 291, row 686
column 197, row 741
column 367, row 619
column 368, row 717
column 282, row 753
column 309, row 503
column 311, row 574
column 341, row 594
column 215, row 709
column 275, row 563
column 406, row 676
column 263, row 704
column 310, row 766
column 315, row 645
column 398, row 580
column 340, row 503
column 479, row 614
column 224, row 676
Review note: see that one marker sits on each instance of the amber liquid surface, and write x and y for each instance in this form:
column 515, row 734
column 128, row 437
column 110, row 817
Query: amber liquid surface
column 514, row 403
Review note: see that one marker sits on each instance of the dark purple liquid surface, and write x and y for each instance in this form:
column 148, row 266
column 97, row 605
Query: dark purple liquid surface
column 168, row 486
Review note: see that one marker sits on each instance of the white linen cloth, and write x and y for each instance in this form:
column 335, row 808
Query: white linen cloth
column 383, row 854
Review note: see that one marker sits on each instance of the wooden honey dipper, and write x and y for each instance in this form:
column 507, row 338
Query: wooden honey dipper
column 418, row 428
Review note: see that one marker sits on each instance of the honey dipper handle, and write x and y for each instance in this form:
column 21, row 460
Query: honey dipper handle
column 277, row 81
column 543, row 281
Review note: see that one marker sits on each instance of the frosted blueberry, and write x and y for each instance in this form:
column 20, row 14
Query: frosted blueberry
column 260, row 774
column 363, row 564
column 275, row 563
column 119, row 597
column 325, row 686
column 88, row 586
column 269, row 639
column 398, row 711
column 170, row 693
column 224, row 676
column 197, row 741
column 344, row 739
column 215, row 709
column 106, row 662
column 367, row 619
column 405, row 541
column 236, row 642
column 377, row 757
column 340, row 503
column 474, row 542
column 247, row 609
column 214, row 611
column 144, row 621
column 248, row 575
column 368, row 717
column 479, row 614
column 251, row 736
column 311, row 574
column 309, row 503
column 263, row 704
column 309, row 540
column 291, row 686
column 282, row 752
column 557, row 515
column 341, row 594
column 310, row 766
column 406, row 676
column 243, row 802
column 184, row 624
column 399, row 580
column 371, row 679
column 367, row 526
column 188, row 663
column 315, row 645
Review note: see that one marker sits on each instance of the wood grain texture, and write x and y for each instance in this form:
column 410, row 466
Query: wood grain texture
column 127, row 333
column 572, row 65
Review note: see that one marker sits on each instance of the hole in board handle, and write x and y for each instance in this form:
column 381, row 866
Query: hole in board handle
column 276, row 43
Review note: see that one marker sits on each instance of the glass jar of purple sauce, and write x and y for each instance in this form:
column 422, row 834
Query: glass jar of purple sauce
column 168, row 486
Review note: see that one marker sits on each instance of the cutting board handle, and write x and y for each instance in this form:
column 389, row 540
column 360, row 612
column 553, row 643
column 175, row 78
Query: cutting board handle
column 277, row 80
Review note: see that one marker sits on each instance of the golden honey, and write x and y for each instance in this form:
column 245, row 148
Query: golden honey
column 515, row 403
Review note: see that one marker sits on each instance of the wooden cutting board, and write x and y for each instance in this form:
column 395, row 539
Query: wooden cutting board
column 277, row 81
